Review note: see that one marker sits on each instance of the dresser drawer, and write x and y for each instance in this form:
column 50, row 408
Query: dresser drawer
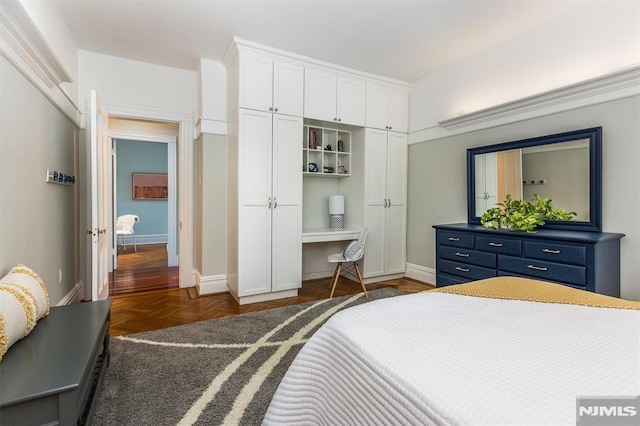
column 443, row 280
column 455, row 239
column 546, row 270
column 471, row 272
column 499, row 245
column 467, row 256
column 556, row 252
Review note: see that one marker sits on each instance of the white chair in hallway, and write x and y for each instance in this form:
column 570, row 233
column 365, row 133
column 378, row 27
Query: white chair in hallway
column 124, row 228
column 347, row 262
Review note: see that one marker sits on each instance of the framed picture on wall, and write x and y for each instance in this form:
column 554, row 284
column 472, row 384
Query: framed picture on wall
column 150, row 186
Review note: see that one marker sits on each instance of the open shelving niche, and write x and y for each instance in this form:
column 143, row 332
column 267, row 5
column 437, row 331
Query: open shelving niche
column 347, row 179
column 326, row 151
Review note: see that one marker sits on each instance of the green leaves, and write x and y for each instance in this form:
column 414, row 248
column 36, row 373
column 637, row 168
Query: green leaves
column 522, row 215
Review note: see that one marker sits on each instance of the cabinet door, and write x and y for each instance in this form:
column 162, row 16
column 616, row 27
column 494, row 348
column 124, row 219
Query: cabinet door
column 374, row 252
column 256, row 82
column 377, row 106
column 376, row 166
column 352, row 101
column 288, row 88
column 396, row 167
column 398, row 115
column 320, row 95
column 286, row 230
column 254, row 190
column 395, row 239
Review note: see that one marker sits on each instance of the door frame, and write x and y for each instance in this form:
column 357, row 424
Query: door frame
column 172, row 206
column 185, row 176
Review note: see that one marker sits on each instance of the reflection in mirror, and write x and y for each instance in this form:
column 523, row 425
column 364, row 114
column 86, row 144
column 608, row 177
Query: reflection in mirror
column 559, row 171
column 566, row 167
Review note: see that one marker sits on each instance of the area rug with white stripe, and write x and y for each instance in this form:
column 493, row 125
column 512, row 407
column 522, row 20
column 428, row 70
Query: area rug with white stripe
column 221, row 371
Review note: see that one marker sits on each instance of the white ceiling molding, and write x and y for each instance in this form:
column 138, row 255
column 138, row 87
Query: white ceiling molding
column 626, row 80
column 20, row 32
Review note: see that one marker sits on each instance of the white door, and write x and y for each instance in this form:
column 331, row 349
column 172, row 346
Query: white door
column 254, row 200
column 395, row 238
column 352, row 101
column 286, row 232
column 288, row 88
column 319, row 95
column 100, row 203
column 376, row 193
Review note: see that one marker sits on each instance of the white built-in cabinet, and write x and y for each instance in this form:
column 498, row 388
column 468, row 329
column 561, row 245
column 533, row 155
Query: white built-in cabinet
column 269, row 201
column 387, row 108
column 332, row 97
column 272, row 85
column 270, row 149
column 385, row 202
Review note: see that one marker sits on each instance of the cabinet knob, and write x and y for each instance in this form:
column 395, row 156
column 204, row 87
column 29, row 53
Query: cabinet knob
column 339, row 119
column 270, row 108
column 386, row 127
column 275, row 109
column 390, row 127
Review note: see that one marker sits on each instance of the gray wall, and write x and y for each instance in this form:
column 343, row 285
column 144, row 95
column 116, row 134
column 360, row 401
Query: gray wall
column 211, row 205
column 37, row 219
column 437, row 178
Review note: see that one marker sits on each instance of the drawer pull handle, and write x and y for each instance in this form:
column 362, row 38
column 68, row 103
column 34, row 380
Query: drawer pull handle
column 537, row 268
column 462, row 269
column 546, row 250
column 495, row 244
column 454, row 239
column 462, row 254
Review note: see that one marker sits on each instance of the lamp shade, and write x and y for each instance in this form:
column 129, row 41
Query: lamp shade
column 336, row 204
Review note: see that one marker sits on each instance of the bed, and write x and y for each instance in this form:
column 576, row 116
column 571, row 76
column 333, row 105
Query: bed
column 501, row 351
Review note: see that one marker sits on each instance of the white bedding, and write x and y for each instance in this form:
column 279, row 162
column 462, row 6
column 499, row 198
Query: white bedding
column 437, row 358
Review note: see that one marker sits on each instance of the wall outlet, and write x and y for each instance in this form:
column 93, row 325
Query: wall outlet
column 59, row 276
column 314, row 275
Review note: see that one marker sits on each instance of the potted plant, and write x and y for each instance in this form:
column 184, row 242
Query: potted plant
column 522, row 215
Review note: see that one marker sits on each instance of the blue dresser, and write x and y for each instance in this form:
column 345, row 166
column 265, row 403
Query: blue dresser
column 585, row 260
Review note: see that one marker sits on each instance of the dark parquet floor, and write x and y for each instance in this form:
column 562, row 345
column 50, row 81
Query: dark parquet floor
column 142, row 270
column 156, row 309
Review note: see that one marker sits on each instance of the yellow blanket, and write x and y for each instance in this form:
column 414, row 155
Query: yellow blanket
column 516, row 288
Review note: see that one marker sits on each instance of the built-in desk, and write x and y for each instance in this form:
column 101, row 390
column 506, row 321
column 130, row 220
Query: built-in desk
column 321, row 235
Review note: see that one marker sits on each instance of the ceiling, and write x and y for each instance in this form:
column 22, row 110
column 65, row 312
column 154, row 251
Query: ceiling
column 402, row 39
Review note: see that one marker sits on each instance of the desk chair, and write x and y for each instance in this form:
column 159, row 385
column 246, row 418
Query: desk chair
column 350, row 257
column 124, row 227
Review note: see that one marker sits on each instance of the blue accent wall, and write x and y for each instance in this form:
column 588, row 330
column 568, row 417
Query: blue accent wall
column 141, row 157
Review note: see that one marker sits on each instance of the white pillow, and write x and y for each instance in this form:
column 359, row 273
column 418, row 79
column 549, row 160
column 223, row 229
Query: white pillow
column 23, row 300
column 353, row 250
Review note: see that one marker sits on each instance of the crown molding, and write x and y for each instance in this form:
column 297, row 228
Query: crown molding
column 21, row 34
column 626, row 82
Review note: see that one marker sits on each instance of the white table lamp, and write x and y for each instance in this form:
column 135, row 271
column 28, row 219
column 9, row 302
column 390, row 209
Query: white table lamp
column 336, row 210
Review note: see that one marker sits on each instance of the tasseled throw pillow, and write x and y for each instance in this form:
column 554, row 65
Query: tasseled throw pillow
column 23, row 301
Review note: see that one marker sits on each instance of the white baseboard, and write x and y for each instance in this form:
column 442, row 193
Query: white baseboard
column 421, row 273
column 211, row 284
column 145, row 239
column 74, row 296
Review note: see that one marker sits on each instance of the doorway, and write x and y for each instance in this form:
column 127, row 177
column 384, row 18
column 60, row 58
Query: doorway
column 144, row 163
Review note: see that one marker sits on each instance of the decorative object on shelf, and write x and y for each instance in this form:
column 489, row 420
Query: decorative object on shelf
column 522, row 215
column 336, row 210
column 313, row 167
column 340, row 146
column 328, row 148
column 312, row 139
column 328, row 169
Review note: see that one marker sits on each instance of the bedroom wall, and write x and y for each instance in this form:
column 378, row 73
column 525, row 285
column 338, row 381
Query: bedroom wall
column 437, row 178
column 124, row 81
column 211, row 208
column 576, row 46
column 37, row 219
